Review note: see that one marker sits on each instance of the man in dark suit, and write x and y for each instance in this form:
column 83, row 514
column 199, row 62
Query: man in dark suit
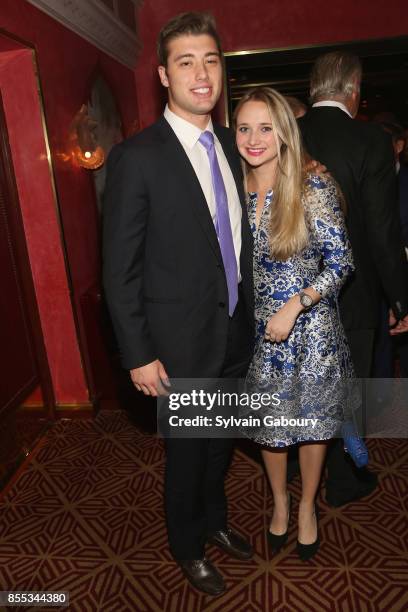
column 178, row 276
column 384, row 353
column 359, row 155
column 399, row 140
column 402, row 170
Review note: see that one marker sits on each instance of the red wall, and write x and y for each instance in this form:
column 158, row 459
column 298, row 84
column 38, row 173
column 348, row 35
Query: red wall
column 248, row 24
column 67, row 64
column 22, row 110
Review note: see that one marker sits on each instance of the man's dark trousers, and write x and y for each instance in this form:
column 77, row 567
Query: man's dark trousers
column 195, row 500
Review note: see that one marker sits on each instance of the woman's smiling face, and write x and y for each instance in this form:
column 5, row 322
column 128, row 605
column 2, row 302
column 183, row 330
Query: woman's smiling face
column 255, row 138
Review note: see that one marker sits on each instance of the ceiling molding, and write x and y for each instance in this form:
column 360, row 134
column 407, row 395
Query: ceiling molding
column 93, row 21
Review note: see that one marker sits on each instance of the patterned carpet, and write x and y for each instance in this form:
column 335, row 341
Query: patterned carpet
column 86, row 516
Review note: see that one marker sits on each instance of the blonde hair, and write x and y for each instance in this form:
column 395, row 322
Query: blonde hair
column 288, row 232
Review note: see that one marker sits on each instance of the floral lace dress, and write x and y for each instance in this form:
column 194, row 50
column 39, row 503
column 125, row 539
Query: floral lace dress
column 308, row 368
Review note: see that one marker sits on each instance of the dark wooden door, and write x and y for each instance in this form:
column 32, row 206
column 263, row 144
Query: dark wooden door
column 23, row 362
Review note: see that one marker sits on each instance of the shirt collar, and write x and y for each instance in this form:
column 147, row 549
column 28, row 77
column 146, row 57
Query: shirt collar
column 186, row 132
column 333, row 103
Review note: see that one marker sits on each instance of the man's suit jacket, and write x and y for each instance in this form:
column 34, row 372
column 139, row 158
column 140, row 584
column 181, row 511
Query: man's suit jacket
column 403, row 201
column 163, row 275
column 360, row 157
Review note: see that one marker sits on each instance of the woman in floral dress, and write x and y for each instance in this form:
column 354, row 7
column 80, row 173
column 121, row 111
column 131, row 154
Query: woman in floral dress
column 302, row 258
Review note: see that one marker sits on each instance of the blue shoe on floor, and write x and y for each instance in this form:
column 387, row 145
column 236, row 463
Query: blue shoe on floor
column 354, row 445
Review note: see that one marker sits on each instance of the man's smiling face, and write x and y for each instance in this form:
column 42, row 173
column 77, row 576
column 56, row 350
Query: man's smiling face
column 193, row 76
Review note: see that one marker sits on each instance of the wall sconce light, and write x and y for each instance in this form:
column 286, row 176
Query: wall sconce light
column 84, row 147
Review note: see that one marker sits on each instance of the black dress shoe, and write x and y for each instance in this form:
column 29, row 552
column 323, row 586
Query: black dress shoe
column 277, row 541
column 367, row 477
column 232, row 543
column 203, row 576
column 307, row 551
column 340, row 494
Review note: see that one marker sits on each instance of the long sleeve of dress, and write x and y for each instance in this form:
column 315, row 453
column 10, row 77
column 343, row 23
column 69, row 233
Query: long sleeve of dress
column 326, row 223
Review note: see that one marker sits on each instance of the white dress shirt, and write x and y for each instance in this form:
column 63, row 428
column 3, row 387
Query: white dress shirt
column 335, row 103
column 188, row 135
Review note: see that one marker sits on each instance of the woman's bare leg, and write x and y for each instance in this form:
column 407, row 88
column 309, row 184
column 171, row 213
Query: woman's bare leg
column 311, row 459
column 276, row 462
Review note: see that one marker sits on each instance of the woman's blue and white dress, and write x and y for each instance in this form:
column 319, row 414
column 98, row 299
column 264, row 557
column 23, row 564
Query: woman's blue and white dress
column 307, row 369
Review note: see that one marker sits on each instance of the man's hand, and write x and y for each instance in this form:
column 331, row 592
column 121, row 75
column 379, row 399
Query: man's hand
column 150, row 378
column 315, row 167
column 397, row 328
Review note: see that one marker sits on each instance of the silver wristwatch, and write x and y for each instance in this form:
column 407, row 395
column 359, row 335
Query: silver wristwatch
column 305, row 300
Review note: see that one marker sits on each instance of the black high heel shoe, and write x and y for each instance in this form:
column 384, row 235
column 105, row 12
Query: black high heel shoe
column 276, row 542
column 307, row 551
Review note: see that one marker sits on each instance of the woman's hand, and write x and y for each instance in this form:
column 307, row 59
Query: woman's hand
column 281, row 323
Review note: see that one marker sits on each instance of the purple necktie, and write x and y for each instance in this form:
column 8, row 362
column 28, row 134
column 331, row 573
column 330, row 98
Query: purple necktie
column 222, row 222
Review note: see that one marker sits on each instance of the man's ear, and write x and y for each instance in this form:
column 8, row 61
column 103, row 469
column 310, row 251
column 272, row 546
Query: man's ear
column 163, row 76
column 350, row 103
column 399, row 146
column 354, row 99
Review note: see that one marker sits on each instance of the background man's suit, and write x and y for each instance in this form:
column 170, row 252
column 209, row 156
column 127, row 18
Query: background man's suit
column 166, row 290
column 360, row 157
column 402, row 341
column 385, row 345
column 403, row 201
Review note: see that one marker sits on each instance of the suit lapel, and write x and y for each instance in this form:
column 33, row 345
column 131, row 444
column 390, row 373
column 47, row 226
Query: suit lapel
column 178, row 162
